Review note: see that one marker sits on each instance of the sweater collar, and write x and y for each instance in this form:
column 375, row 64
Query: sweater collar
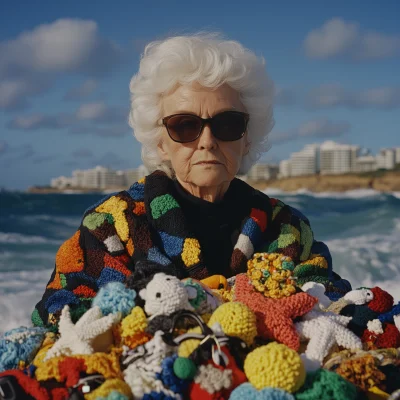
column 181, row 246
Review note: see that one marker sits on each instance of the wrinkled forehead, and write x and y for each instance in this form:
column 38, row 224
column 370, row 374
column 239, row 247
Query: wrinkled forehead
column 198, row 99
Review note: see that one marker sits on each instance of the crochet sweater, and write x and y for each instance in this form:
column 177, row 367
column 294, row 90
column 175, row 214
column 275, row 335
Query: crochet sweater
column 146, row 222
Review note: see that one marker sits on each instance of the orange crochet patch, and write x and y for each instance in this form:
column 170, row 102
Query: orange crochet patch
column 84, row 291
column 139, row 208
column 136, row 340
column 116, row 263
column 260, row 218
column 69, row 257
column 56, row 283
column 130, row 247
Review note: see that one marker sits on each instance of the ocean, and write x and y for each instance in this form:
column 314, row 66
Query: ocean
column 361, row 229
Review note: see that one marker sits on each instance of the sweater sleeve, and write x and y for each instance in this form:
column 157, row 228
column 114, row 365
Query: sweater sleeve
column 99, row 252
column 291, row 235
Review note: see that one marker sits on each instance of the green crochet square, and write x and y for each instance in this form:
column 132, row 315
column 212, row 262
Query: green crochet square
column 161, row 204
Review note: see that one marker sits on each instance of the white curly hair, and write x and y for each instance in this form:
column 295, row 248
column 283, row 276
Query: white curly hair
column 210, row 61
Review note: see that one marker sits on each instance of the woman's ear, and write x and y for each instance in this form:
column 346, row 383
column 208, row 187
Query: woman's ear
column 163, row 152
column 246, row 146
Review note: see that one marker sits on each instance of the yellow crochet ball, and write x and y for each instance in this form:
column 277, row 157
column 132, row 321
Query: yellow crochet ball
column 187, row 347
column 275, row 365
column 237, row 320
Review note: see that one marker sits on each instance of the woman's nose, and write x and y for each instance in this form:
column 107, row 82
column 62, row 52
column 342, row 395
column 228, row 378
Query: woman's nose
column 207, row 140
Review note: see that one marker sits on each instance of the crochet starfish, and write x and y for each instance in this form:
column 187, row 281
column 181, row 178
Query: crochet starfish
column 77, row 339
column 274, row 316
column 325, row 329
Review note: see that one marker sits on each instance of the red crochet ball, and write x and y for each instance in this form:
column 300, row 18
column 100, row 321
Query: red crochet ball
column 390, row 338
column 382, row 301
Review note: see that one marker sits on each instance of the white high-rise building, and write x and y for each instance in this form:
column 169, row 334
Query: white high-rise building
column 365, row 164
column 386, row 159
column 397, row 151
column 261, row 172
column 285, row 169
column 337, row 158
column 78, row 177
column 306, row 161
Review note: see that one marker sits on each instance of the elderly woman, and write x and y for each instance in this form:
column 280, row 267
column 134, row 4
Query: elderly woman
column 202, row 110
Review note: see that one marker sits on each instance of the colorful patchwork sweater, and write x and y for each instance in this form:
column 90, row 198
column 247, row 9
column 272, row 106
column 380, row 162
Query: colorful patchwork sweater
column 146, row 222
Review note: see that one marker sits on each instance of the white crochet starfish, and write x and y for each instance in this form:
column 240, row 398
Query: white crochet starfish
column 324, row 329
column 77, row 339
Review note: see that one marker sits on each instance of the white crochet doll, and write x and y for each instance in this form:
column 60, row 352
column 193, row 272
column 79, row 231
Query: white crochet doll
column 165, row 294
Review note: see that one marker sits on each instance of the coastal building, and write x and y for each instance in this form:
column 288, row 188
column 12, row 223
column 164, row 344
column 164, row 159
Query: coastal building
column 285, row 169
column 133, row 175
column 365, row 164
column 397, row 151
column 337, row 158
column 306, row 161
column 263, row 172
column 62, row 182
column 100, row 178
column 386, row 159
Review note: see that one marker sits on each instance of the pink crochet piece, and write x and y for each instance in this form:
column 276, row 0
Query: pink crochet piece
column 274, row 316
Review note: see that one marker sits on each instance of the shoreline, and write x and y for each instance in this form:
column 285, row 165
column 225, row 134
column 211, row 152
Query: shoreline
column 386, row 182
column 380, row 181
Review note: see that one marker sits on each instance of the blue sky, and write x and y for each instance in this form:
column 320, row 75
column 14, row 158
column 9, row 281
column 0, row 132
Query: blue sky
column 65, row 69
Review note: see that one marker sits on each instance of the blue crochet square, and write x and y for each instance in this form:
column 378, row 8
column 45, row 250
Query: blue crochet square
column 58, row 300
column 155, row 255
column 173, row 245
column 136, row 191
column 253, row 231
column 110, row 275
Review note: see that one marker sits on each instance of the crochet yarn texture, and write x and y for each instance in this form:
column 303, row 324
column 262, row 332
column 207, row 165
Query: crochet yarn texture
column 146, row 222
column 274, row 316
column 276, row 366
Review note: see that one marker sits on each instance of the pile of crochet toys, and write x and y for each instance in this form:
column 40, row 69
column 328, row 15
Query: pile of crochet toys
column 257, row 336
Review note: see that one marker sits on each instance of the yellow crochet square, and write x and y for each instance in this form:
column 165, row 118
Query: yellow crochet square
column 191, row 252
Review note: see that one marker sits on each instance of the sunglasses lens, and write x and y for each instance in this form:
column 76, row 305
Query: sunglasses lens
column 184, row 128
column 229, row 126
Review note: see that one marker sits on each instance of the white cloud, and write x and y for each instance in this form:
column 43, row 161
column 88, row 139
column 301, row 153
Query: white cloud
column 318, row 128
column 83, row 90
column 91, row 118
column 340, row 38
column 334, row 95
column 31, row 62
column 91, row 111
column 100, row 112
column 66, row 45
column 14, row 92
column 39, row 121
column 322, row 127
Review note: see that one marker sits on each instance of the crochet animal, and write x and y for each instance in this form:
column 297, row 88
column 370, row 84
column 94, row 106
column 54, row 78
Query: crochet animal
column 165, row 294
column 324, row 330
column 366, row 305
column 201, row 298
column 78, row 338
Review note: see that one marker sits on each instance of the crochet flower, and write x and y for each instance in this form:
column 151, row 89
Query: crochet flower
column 272, row 274
column 115, row 297
column 19, row 345
column 78, row 338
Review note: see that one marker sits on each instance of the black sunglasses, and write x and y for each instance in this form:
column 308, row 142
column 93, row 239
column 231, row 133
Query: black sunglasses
column 226, row 126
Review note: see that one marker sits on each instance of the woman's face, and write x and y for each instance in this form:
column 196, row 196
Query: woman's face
column 207, row 161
